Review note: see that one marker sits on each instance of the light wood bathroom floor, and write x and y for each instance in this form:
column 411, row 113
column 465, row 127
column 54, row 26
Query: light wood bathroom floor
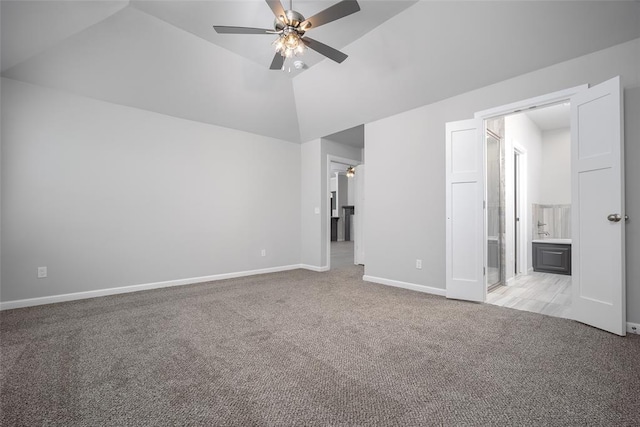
column 537, row 292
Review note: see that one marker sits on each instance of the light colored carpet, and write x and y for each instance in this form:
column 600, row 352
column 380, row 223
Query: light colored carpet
column 306, row 348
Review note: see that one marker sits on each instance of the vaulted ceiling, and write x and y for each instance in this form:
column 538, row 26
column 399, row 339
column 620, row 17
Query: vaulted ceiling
column 164, row 56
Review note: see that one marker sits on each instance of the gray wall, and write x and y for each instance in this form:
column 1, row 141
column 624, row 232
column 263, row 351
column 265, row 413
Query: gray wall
column 555, row 184
column 310, row 176
column 632, row 198
column 108, row 196
column 343, row 198
column 414, row 142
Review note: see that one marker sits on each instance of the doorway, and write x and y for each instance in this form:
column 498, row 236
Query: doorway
column 513, row 280
column 344, row 211
column 597, row 220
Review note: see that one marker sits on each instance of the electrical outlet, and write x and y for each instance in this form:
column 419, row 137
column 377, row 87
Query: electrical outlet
column 42, row 272
column 263, row 252
column 634, row 330
column 419, row 264
column 317, row 211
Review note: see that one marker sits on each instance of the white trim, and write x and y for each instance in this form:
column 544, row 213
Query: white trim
column 633, row 328
column 525, row 104
column 314, row 268
column 512, row 147
column 29, row 302
column 405, row 285
column 525, row 226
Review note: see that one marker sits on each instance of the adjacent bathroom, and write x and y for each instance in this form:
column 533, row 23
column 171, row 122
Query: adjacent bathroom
column 528, row 210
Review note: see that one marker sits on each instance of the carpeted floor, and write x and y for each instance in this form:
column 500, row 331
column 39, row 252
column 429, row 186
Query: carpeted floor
column 305, row 348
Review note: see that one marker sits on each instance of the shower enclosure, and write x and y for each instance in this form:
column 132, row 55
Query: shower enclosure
column 495, row 204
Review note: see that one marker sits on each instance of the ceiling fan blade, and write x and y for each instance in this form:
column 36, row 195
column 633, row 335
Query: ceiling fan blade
column 325, row 50
column 277, row 8
column 337, row 11
column 222, row 29
column 278, row 61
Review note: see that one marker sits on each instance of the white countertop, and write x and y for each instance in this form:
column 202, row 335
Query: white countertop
column 557, row 241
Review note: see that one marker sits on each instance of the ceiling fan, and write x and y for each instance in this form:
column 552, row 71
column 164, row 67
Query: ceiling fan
column 291, row 26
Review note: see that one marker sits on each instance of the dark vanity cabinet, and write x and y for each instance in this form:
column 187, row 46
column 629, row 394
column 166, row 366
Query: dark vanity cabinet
column 552, row 258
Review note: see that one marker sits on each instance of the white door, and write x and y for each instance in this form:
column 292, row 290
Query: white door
column 464, row 210
column 358, row 217
column 597, row 187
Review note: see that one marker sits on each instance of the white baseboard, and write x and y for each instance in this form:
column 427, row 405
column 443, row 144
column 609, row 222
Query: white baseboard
column 314, row 268
column 8, row 305
column 405, row 285
column 633, row 328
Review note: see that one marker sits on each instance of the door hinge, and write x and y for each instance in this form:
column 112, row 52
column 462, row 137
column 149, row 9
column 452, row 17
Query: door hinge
column 484, row 204
column 484, row 271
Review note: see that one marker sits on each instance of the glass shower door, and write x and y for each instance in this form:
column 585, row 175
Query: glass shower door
column 494, row 257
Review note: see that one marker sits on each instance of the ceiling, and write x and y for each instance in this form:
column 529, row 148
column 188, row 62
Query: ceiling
column 553, row 117
column 197, row 17
column 164, row 56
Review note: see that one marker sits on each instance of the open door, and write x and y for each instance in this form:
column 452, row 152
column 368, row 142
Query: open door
column 598, row 218
column 464, row 211
column 358, row 217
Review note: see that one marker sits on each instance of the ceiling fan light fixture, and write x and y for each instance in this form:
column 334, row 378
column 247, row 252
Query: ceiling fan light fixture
column 291, row 41
column 351, row 172
column 289, row 44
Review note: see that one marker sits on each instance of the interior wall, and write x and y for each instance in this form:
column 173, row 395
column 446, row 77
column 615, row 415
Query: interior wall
column 342, row 201
column 414, row 142
column 311, row 202
column 108, row 196
column 555, row 179
column 405, row 209
column 632, row 198
column 351, row 199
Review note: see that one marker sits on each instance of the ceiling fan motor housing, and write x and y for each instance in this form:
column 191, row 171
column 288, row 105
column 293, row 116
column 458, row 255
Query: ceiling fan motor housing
column 291, row 21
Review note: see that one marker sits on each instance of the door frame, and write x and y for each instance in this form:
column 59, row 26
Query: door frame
column 517, row 107
column 327, row 217
column 521, row 185
column 517, row 252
